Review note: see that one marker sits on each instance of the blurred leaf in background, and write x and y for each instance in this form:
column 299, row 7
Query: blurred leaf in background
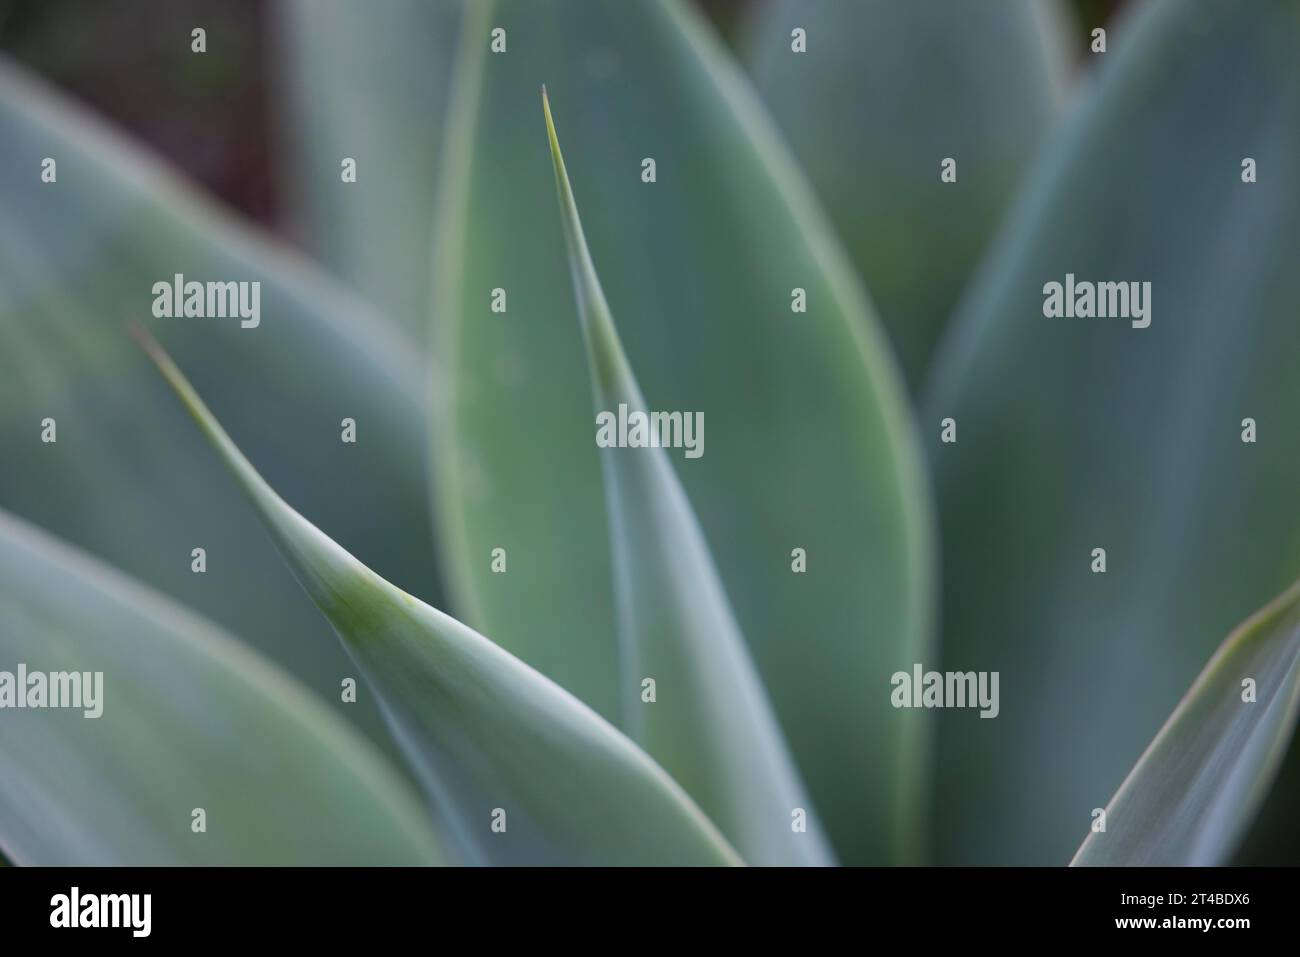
column 124, row 479
column 367, row 82
column 1075, row 434
column 885, row 92
column 188, row 718
column 1199, row 783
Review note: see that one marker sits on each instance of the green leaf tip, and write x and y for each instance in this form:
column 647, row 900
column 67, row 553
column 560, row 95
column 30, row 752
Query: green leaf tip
column 699, row 318
column 185, row 392
column 604, row 349
column 481, row 728
column 557, row 156
column 722, row 741
column 1196, row 787
column 281, row 520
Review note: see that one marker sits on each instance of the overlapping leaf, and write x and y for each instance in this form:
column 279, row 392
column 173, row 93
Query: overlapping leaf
column 1077, row 434
column 883, row 93
column 713, row 729
column 524, row 771
column 809, row 443
column 126, row 478
column 1198, row 784
column 187, row 718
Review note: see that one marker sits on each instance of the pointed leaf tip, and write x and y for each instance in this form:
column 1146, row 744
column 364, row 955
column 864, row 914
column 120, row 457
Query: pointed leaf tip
column 480, row 727
column 746, row 221
column 676, row 621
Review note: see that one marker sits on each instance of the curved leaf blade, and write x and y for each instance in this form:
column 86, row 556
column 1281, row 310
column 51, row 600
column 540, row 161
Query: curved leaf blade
column 189, row 718
column 81, row 255
column 704, row 305
column 884, row 94
column 484, row 730
column 714, row 731
column 1195, row 789
column 1116, row 437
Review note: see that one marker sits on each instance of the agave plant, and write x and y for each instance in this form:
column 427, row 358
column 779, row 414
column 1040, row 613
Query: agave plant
column 554, row 649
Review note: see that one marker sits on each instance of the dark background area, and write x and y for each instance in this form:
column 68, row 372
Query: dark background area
column 211, row 115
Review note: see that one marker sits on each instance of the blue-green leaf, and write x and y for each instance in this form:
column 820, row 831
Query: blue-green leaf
column 704, row 715
column 810, row 443
column 188, row 719
column 1085, row 433
column 884, row 94
column 368, row 82
column 126, row 477
column 524, row 771
column 1196, row 787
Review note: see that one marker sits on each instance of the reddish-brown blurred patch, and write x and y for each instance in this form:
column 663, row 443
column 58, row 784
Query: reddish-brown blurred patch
column 131, row 60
